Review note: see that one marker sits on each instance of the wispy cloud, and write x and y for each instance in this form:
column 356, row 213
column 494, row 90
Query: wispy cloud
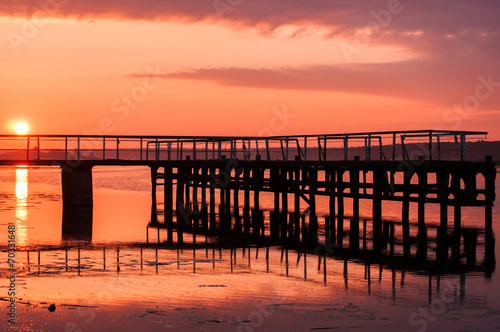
column 423, row 80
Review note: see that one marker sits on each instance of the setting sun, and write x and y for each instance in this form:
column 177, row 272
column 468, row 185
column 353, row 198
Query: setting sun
column 21, row 128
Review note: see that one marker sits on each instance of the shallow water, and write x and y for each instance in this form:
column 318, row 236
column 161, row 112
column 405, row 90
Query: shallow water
column 114, row 282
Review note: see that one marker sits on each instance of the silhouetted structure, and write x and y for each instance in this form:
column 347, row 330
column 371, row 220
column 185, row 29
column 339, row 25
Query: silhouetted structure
column 203, row 178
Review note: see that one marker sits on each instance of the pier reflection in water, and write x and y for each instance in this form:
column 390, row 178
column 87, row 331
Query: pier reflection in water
column 375, row 279
column 21, row 204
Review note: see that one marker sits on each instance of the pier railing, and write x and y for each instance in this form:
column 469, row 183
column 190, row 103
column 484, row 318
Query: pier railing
column 389, row 145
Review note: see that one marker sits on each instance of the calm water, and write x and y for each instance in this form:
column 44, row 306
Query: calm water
column 222, row 283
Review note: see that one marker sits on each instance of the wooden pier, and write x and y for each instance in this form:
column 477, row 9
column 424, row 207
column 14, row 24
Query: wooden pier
column 213, row 186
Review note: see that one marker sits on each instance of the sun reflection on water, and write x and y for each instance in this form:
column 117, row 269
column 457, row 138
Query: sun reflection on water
column 21, row 204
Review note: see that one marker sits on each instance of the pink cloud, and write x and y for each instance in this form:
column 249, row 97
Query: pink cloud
column 434, row 82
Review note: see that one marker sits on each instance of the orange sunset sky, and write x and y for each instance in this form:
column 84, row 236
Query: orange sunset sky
column 249, row 67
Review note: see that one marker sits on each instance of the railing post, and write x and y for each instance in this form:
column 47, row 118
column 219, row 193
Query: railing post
column 256, row 149
column 346, row 142
column 394, row 146
column 194, row 148
column 232, row 149
column 286, row 159
column 381, row 147
column 430, row 145
column 157, row 149
column 324, row 148
column 178, row 147
column 27, row 148
column 369, row 151
column 403, row 146
column 38, row 147
column 319, row 148
column 103, row 148
column 462, row 150
column 117, row 148
column 140, row 149
column 78, row 149
column 305, row 148
column 66, row 148
column 267, row 149
column 439, row 146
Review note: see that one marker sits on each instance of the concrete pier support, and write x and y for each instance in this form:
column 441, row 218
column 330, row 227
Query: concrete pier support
column 77, row 203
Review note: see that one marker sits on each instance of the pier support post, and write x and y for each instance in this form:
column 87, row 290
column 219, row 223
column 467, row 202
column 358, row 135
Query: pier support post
column 331, row 185
column 181, row 213
column 455, row 246
column 377, row 211
column 257, row 216
column 284, row 205
column 406, row 214
column 236, row 204
column 422, row 228
column 296, row 213
column 246, row 199
column 195, row 219
column 489, row 258
column 77, row 203
column 340, row 207
column 154, row 180
column 489, row 178
column 313, row 219
column 213, row 184
column 275, row 214
column 442, row 245
column 168, row 201
column 354, row 224
column 204, row 206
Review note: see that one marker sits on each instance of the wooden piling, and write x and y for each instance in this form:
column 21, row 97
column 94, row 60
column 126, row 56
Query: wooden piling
column 236, row 204
column 204, row 206
column 274, row 216
column 246, row 199
column 296, row 212
column 457, row 230
column 354, row 222
column 332, row 183
column 284, row 205
column 406, row 214
column 442, row 241
column 168, row 201
column 257, row 218
column 340, row 207
column 377, row 210
column 180, row 205
column 213, row 184
column 422, row 228
column 313, row 219
column 154, row 179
